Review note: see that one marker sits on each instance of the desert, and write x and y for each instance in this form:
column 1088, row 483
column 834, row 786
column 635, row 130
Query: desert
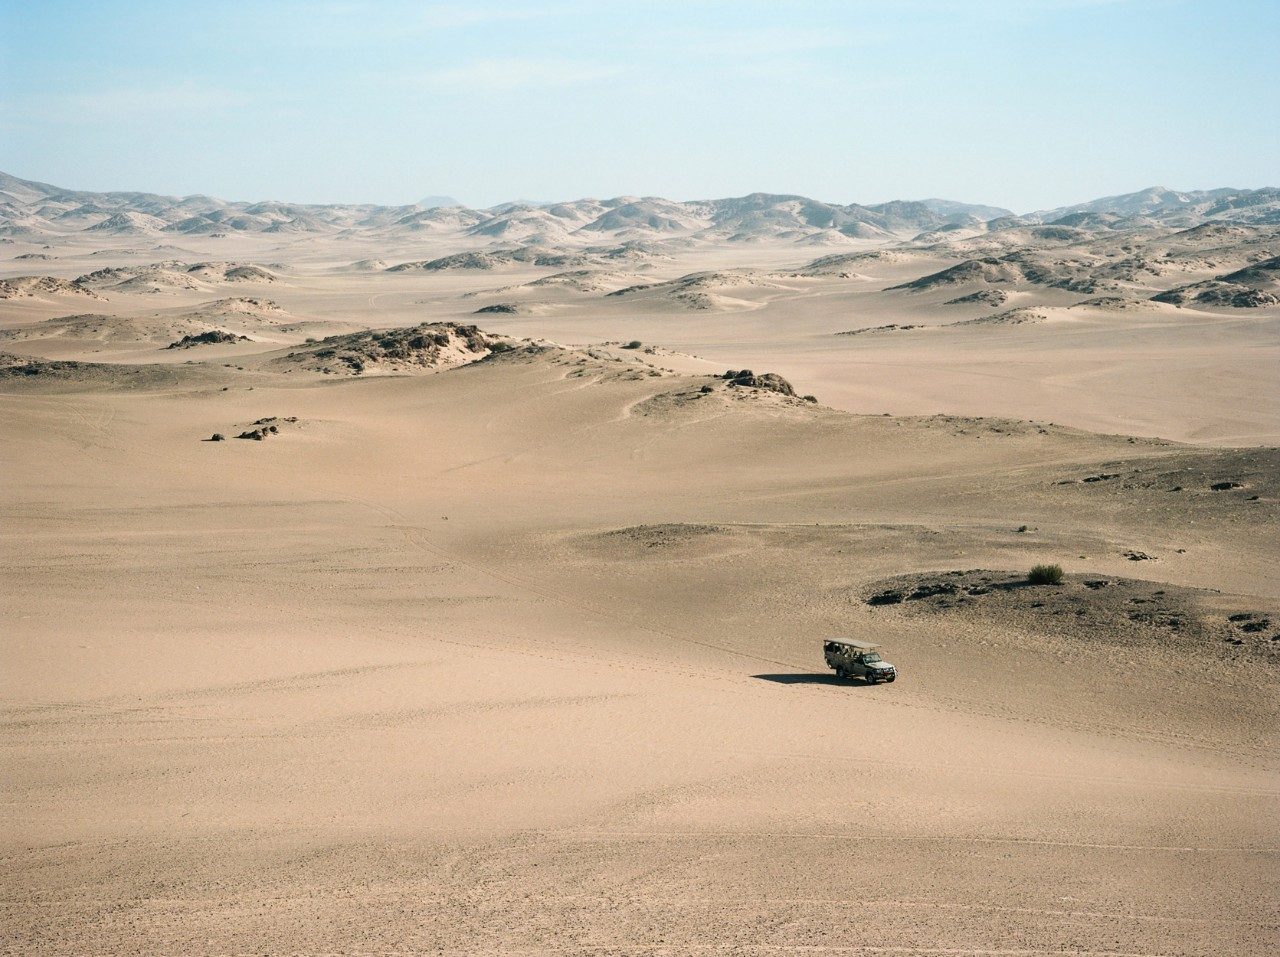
column 502, row 632
column 526, row 479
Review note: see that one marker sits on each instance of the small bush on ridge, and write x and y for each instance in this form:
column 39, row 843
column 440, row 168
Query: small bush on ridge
column 1045, row 575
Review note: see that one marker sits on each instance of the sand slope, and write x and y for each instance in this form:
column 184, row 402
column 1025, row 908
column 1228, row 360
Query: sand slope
column 522, row 657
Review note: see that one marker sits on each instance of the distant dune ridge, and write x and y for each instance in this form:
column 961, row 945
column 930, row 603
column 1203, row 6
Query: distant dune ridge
column 1173, row 208
column 29, row 208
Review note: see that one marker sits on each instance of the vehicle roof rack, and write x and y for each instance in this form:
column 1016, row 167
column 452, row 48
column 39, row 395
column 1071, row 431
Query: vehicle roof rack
column 859, row 645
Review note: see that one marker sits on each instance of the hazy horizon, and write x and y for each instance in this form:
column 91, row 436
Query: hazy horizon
column 1021, row 105
column 570, row 199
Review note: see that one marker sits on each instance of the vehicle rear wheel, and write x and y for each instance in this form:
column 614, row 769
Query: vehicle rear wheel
column 840, row 674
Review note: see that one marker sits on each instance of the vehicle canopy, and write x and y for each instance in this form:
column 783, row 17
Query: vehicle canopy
column 855, row 647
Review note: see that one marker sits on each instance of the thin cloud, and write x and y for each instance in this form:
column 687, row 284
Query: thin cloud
column 768, row 43
column 1016, row 9
column 130, row 101
column 516, row 72
column 457, row 15
column 342, row 22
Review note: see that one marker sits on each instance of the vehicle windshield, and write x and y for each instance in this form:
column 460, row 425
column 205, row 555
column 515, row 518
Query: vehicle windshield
column 871, row 657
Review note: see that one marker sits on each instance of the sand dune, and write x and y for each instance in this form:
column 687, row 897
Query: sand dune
column 240, row 321
column 42, row 287
column 129, row 223
column 699, row 291
column 369, row 265
column 173, row 274
column 587, row 280
column 531, row 255
column 151, row 278
column 1248, row 288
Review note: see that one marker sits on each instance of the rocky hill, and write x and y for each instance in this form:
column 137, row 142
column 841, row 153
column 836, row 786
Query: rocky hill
column 33, row 209
column 1172, row 208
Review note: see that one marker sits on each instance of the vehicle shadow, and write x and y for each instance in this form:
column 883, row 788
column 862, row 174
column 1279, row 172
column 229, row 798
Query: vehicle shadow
column 813, row 679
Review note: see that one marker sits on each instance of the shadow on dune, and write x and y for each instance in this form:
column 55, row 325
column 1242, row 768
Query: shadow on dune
column 813, row 679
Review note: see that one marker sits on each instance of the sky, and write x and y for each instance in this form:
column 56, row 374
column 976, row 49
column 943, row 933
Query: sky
column 1026, row 104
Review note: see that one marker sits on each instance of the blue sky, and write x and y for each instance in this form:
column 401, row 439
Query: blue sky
column 1020, row 103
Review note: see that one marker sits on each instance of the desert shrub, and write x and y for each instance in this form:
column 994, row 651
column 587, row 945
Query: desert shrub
column 633, row 344
column 811, row 398
column 1045, row 575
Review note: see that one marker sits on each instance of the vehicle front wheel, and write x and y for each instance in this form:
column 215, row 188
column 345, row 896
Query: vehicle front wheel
column 840, row 674
column 894, row 678
column 870, row 680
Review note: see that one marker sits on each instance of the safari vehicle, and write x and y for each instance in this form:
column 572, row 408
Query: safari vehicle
column 858, row 659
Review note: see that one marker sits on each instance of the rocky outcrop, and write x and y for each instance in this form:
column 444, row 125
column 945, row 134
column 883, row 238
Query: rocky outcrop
column 746, row 379
column 210, row 338
column 424, row 348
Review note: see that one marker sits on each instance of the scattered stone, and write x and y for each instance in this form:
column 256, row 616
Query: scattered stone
column 990, row 297
column 886, row 598
column 891, row 327
column 930, row 589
